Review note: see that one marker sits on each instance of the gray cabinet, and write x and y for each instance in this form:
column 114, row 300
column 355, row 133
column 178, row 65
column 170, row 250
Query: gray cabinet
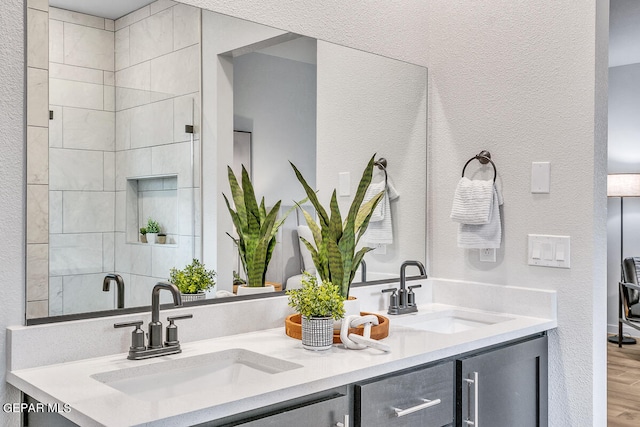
column 504, row 387
column 420, row 397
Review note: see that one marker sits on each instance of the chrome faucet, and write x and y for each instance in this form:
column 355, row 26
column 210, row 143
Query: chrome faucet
column 120, row 286
column 363, row 271
column 405, row 300
column 156, row 347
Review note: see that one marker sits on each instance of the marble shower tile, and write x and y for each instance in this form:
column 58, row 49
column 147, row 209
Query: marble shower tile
column 138, row 292
column 75, row 254
column 88, row 211
column 109, row 78
column 74, row 73
column 123, row 130
column 55, row 127
column 38, row 4
column 161, row 206
column 109, row 171
column 88, row 129
column 109, row 24
column 55, row 211
column 132, row 17
column 37, row 155
column 186, row 26
column 56, row 41
column 121, row 212
column 37, row 213
column 108, row 251
column 110, row 98
column 76, row 18
column 76, row 94
column 186, row 219
column 37, row 38
column 132, row 258
column 152, row 124
column 76, row 170
column 37, row 309
column 173, row 159
column 88, row 47
column 160, row 5
column 122, row 49
column 82, row 293
column 186, row 111
column 166, row 257
column 151, row 37
column 177, row 73
column 37, row 97
column 55, row 296
column 37, row 272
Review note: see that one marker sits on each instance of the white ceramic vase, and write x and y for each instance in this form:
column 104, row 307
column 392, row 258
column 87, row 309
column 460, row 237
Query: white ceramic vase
column 351, row 308
column 317, row 333
column 151, row 238
column 251, row 290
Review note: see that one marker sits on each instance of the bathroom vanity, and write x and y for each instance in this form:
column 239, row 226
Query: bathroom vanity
column 477, row 360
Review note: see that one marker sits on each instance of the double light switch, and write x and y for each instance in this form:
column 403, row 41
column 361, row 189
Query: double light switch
column 549, row 251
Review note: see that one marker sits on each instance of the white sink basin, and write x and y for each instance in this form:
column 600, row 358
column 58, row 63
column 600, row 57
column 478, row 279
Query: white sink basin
column 448, row 321
column 202, row 373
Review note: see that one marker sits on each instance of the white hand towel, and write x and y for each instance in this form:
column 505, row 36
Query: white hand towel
column 473, row 201
column 483, row 236
column 380, row 232
column 374, row 189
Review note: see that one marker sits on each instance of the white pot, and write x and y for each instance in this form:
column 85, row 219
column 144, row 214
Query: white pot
column 250, row 290
column 151, row 237
column 317, row 333
column 193, row 297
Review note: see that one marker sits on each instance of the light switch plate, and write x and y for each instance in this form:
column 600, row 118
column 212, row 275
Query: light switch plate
column 344, row 184
column 540, row 177
column 549, row 251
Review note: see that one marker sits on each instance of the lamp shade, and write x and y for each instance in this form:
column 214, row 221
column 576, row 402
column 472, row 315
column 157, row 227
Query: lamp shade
column 623, row 185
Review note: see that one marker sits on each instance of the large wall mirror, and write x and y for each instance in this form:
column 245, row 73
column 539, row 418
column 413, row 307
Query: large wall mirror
column 145, row 108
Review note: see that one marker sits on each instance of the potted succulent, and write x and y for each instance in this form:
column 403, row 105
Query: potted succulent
column 333, row 249
column 193, row 280
column 319, row 305
column 143, row 235
column 256, row 229
column 153, row 228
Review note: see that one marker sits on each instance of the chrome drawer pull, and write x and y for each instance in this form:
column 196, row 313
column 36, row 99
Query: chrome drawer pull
column 426, row 404
column 476, row 400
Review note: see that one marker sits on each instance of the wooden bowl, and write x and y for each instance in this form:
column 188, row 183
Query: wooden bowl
column 293, row 328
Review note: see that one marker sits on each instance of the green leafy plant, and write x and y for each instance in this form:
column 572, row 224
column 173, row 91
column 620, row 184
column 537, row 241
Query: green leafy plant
column 237, row 280
column 256, row 228
column 143, row 231
column 153, row 226
column 193, row 278
column 334, row 253
column 317, row 300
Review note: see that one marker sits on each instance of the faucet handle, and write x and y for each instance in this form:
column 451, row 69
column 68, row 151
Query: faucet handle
column 172, row 329
column 393, row 299
column 137, row 336
column 414, row 286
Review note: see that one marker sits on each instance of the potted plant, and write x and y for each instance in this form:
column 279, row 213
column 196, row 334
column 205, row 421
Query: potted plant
column 153, row 228
column 334, row 241
column 162, row 238
column 319, row 305
column 193, row 280
column 143, row 235
column 256, row 229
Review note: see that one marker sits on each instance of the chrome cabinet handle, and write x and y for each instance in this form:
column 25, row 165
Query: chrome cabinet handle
column 345, row 423
column 476, row 399
column 427, row 404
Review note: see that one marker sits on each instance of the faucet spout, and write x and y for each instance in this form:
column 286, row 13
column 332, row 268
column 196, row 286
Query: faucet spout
column 155, row 298
column 403, row 268
column 363, row 271
column 120, row 286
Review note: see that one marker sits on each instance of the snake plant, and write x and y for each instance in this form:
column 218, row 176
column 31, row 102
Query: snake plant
column 334, row 253
column 256, row 228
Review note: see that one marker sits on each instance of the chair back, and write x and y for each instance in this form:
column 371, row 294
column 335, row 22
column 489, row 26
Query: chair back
column 630, row 274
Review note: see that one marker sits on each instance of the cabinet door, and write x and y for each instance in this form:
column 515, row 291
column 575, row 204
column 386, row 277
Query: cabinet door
column 505, row 387
column 422, row 397
column 326, row 413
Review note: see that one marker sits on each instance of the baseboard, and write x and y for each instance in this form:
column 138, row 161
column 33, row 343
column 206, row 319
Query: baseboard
column 626, row 331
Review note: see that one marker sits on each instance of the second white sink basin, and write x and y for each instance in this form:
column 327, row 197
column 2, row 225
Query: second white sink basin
column 181, row 376
column 448, row 321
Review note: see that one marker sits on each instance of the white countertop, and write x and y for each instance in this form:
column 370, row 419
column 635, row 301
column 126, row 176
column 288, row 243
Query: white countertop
column 95, row 403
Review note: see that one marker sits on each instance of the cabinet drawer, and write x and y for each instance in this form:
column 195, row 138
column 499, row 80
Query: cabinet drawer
column 376, row 402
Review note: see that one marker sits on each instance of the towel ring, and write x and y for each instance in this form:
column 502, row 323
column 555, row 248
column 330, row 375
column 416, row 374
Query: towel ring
column 381, row 163
column 484, row 157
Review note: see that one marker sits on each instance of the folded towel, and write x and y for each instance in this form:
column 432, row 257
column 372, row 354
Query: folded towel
column 472, row 201
column 380, row 232
column 372, row 191
column 483, row 236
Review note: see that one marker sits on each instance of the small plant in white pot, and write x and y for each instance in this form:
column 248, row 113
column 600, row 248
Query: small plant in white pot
column 319, row 305
column 193, row 280
column 153, row 228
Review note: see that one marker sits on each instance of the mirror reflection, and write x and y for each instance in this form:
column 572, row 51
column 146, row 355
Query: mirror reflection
column 129, row 142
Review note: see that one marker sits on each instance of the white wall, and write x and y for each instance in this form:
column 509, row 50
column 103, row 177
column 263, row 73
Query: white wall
column 12, row 177
column 496, row 72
